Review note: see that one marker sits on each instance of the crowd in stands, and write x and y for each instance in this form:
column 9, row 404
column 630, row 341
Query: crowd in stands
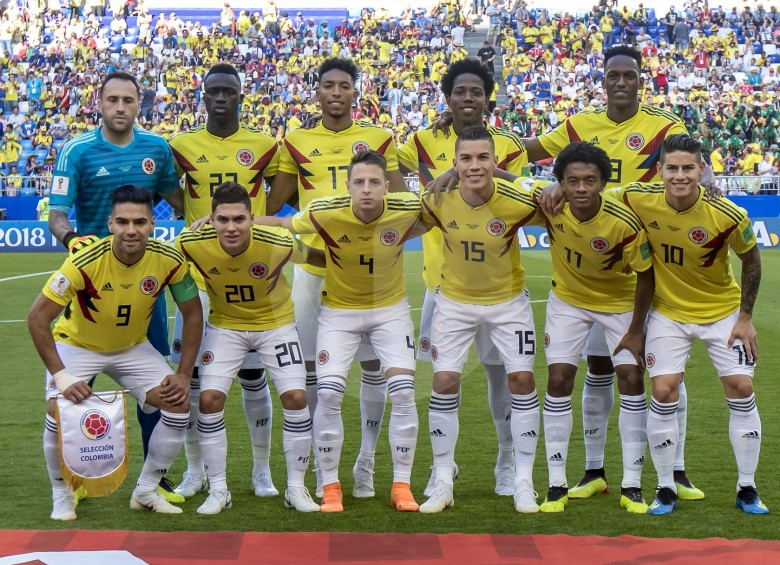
column 717, row 69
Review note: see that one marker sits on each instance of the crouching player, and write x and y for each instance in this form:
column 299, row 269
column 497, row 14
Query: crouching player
column 251, row 309
column 108, row 291
column 482, row 284
column 696, row 296
column 597, row 245
column 364, row 232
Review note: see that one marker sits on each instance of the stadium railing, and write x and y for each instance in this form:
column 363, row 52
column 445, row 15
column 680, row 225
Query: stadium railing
column 749, row 184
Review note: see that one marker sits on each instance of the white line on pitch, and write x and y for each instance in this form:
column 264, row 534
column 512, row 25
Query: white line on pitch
column 26, row 276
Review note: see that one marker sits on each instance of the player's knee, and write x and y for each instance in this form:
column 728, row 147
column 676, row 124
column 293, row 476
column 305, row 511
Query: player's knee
column 446, row 382
column 294, row 399
column 630, row 379
column 211, row 401
column 666, row 390
column 560, row 379
column 182, row 408
column 600, row 365
column 521, row 382
column 51, row 405
column 738, row 387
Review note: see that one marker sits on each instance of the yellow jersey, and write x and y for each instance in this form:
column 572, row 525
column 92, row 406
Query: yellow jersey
column 107, row 303
column 365, row 267
column 694, row 282
column 481, row 251
column 634, row 146
column 431, row 157
column 248, row 292
column 595, row 262
column 320, row 158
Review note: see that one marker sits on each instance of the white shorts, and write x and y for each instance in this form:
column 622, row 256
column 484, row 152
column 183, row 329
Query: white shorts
column 510, row 326
column 389, row 330
column 596, row 343
column 486, row 351
column 307, row 299
column 279, row 350
column 252, row 360
column 566, row 329
column 668, row 343
column 138, row 369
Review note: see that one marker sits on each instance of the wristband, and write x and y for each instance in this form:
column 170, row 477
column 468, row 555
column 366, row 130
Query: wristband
column 64, row 380
column 67, row 237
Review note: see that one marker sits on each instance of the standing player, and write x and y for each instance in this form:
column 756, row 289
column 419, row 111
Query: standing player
column 364, row 232
column 314, row 163
column 207, row 156
column 597, row 246
column 250, row 310
column 479, row 224
column 631, row 133
column 696, row 296
column 467, row 86
column 87, row 171
column 108, row 292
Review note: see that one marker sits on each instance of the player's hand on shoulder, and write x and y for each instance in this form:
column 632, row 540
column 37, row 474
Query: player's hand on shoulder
column 445, row 182
column 200, row 223
column 634, row 343
column 552, row 199
column 175, row 389
column 744, row 331
column 443, row 124
column 78, row 243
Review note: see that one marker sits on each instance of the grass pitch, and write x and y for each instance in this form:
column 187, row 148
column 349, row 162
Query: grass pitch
column 25, row 501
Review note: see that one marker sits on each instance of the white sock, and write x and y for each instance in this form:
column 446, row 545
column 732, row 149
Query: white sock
column 525, row 434
column 213, row 447
column 682, row 425
column 195, row 466
column 311, row 392
column 373, row 396
column 404, row 425
column 51, row 453
column 259, row 414
column 598, row 397
column 662, row 434
column 745, row 435
column 558, row 423
column 500, row 401
column 443, row 426
column 296, row 438
column 164, row 445
column 328, row 427
column 632, row 424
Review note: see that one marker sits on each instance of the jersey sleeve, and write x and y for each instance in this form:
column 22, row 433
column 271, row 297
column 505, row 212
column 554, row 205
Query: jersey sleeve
column 65, row 180
column 63, row 285
column 391, row 154
column 556, row 140
column 638, row 254
column 517, row 158
column 407, row 154
column 302, row 222
column 743, row 239
column 185, row 288
column 286, row 162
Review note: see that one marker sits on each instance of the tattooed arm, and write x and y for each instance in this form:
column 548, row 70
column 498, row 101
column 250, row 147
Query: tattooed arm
column 751, row 279
column 60, row 226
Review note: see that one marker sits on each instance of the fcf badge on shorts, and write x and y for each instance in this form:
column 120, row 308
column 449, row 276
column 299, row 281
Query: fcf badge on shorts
column 92, row 438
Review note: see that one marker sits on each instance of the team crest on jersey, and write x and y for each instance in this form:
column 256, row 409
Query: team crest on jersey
column 650, row 360
column 546, row 340
column 434, row 353
column 389, row 237
column 258, row 270
column 496, row 227
column 635, row 141
column 206, row 358
column 599, row 244
column 176, row 346
column 149, row 285
column 245, row 157
column 359, row 146
column 698, row 235
column 149, row 166
column 323, row 357
column 425, row 344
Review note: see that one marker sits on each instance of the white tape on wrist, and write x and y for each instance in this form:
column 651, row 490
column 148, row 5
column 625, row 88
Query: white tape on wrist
column 64, row 380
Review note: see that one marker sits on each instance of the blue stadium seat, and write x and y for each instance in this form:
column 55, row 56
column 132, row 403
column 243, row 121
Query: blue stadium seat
column 27, row 191
column 58, row 143
column 774, row 58
column 26, row 145
column 651, row 19
column 758, row 47
column 116, row 43
column 132, row 31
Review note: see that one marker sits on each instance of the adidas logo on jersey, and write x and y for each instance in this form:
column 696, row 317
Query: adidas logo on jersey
column 315, row 153
column 438, row 433
column 202, row 159
column 453, row 225
column 664, row 445
column 441, row 157
column 529, row 433
column 344, row 239
column 752, row 435
column 214, row 271
column 102, row 172
column 559, row 227
column 595, row 139
column 557, row 458
column 654, row 225
column 107, row 287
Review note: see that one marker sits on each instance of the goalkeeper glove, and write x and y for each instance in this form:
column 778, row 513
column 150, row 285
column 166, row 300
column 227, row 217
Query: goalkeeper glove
column 78, row 243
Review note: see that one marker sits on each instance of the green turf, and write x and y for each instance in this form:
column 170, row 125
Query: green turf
column 25, row 500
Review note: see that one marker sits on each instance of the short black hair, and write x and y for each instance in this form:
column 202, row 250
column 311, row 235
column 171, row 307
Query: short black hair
column 230, row 193
column 475, row 133
column 467, row 66
column 120, row 75
column 369, row 157
column 625, row 50
column 222, row 69
column 339, row 64
column 681, row 142
column 582, row 152
column 131, row 194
